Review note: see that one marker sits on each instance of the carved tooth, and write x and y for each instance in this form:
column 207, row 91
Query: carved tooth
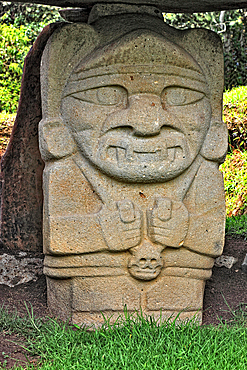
column 120, row 154
column 129, row 153
column 158, row 155
column 171, row 154
column 111, row 153
column 178, row 152
column 163, row 152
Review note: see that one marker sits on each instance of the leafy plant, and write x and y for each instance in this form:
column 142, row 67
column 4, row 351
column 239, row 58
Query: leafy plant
column 26, row 14
column 237, row 226
column 235, row 180
column 14, row 45
column 19, row 26
column 235, row 115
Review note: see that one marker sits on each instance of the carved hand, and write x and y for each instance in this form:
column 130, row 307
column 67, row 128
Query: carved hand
column 168, row 222
column 122, row 229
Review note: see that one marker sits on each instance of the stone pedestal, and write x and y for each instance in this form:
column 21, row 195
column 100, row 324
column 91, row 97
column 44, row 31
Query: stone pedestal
column 85, row 287
column 132, row 138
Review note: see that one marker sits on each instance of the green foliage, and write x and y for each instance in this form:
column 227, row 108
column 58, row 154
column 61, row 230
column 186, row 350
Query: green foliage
column 19, row 14
column 20, row 24
column 235, row 50
column 237, row 226
column 235, row 166
column 33, row 16
column 14, row 45
column 235, row 96
column 232, row 27
column 235, row 180
column 235, row 115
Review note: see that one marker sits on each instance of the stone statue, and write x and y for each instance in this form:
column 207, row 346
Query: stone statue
column 132, row 137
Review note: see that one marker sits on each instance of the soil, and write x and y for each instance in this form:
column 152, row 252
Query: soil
column 225, row 294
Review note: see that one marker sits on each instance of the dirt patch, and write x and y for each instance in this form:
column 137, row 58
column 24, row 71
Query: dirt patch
column 32, row 294
column 226, row 288
column 12, row 351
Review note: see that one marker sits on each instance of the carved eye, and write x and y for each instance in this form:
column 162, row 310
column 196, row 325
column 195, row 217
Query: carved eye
column 180, row 96
column 106, row 95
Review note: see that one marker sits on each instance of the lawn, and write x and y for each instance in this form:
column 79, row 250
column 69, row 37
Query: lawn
column 129, row 344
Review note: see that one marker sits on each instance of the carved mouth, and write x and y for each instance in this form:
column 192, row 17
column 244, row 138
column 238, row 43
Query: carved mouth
column 145, row 273
column 123, row 151
column 146, row 270
column 122, row 155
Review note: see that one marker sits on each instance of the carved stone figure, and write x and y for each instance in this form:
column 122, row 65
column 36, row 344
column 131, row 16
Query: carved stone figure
column 132, row 138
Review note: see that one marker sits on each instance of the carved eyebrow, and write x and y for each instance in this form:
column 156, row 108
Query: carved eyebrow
column 117, row 80
column 167, row 69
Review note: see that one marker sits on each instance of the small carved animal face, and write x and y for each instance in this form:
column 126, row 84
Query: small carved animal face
column 146, row 263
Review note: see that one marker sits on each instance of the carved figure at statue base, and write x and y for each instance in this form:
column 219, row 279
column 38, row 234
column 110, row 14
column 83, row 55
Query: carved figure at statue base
column 132, row 138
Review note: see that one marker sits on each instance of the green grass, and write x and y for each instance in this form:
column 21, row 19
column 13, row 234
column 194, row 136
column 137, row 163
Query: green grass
column 237, row 226
column 131, row 344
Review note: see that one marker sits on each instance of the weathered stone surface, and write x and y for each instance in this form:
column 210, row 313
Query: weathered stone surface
column 19, row 269
column 225, row 261
column 173, row 6
column 22, row 166
column 244, row 264
column 132, row 137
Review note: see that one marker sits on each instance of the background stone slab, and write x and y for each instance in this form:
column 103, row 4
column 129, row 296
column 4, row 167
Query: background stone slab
column 22, row 166
column 173, row 6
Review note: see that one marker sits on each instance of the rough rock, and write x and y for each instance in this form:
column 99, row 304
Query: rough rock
column 16, row 270
column 170, row 6
column 22, row 166
column 244, row 264
column 225, row 261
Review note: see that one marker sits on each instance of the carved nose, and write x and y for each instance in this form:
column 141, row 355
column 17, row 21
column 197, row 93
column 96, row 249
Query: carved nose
column 144, row 114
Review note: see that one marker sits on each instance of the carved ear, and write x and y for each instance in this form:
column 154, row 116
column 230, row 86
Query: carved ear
column 63, row 51
column 216, row 142
column 206, row 48
column 55, row 140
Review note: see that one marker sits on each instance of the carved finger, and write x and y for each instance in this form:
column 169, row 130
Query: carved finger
column 163, row 232
column 131, row 240
column 163, row 208
column 132, row 233
column 126, row 211
column 135, row 225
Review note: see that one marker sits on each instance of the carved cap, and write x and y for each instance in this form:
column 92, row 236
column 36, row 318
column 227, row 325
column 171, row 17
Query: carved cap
column 143, row 48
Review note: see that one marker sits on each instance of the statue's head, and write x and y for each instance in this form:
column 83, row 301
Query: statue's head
column 140, row 108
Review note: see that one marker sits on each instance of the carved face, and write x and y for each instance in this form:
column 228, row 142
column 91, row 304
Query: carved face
column 138, row 126
column 146, row 263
